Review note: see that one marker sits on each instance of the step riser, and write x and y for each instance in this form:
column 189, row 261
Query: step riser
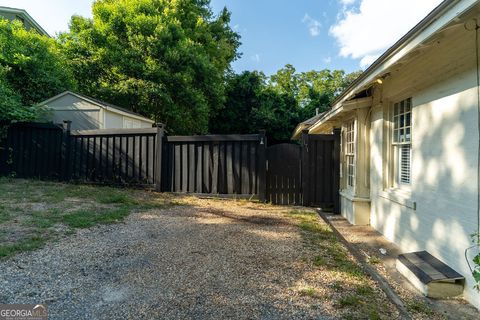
column 437, row 290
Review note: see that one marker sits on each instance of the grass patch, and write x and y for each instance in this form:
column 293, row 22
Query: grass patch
column 4, row 214
column 44, row 219
column 49, row 210
column 89, row 218
column 115, row 198
column 308, row 292
column 419, row 307
column 348, row 300
column 364, row 290
column 319, row 261
column 352, row 288
column 374, row 260
column 28, row 244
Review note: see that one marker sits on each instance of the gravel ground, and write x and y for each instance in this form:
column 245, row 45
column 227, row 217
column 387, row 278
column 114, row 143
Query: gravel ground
column 207, row 260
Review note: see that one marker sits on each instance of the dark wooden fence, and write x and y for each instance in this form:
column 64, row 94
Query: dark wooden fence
column 214, row 164
column 305, row 174
column 33, row 150
column 217, row 164
column 284, row 174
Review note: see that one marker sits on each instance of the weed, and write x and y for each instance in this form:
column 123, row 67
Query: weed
column 348, row 300
column 337, row 286
column 308, row 292
column 419, row 306
column 364, row 290
column 374, row 260
column 319, row 261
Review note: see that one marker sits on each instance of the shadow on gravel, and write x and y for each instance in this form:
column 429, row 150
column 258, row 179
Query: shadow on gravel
column 259, row 220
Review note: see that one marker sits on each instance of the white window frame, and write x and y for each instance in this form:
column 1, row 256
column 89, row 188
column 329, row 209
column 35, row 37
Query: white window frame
column 402, row 142
column 350, row 149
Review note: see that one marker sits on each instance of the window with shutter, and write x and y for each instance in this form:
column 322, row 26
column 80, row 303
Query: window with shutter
column 402, row 139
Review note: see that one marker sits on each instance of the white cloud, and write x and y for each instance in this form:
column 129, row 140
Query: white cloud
column 368, row 60
column 327, row 60
column 312, row 24
column 347, row 2
column 255, row 58
column 367, row 31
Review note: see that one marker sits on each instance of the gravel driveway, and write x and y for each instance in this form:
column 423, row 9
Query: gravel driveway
column 207, row 260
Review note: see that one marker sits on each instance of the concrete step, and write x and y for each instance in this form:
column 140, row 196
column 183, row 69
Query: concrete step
column 431, row 276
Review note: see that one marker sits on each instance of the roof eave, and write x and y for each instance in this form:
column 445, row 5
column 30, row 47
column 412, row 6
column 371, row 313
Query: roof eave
column 27, row 17
column 441, row 16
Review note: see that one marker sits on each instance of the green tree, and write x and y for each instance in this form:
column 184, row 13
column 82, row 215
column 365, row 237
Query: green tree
column 277, row 103
column 243, row 94
column 32, row 69
column 165, row 59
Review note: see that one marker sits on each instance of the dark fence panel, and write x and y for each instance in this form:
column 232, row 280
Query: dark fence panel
column 215, row 164
column 320, row 170
column 113, row 156
column 284, row 180
column 32, row 150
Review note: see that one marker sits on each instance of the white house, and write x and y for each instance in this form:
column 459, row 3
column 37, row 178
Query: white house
column 410, row 139
column 88, row 113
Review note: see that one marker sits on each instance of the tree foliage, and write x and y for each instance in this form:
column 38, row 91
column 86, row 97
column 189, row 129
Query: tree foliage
column 165, row 59
column 277, row 103
column 32, row 69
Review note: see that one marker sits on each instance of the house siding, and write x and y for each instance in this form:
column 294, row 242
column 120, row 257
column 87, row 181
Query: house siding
column 444, row 175
column 83, row 114
column 113, row 120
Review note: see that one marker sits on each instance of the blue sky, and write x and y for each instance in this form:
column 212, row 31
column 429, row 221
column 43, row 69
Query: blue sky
column 275, row 33
column 309, row 34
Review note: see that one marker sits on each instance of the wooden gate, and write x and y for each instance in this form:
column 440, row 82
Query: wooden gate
column 321, row 170
column 284, row 183
column 307, row 174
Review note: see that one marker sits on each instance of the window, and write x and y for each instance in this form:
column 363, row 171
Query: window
column 402, row 139
column 19, row 18
column 350, row 153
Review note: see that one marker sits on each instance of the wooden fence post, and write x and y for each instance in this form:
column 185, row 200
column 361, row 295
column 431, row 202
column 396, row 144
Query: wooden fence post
column 336, row 170
column 305, row 170
column 262, row 170
column 65, row 156
column 158, row 157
